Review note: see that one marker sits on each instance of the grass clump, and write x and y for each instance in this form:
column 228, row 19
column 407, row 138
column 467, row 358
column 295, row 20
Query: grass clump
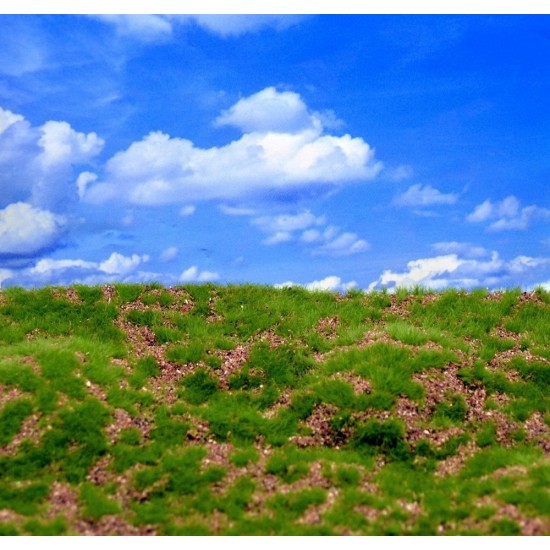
column 95, row 502
column 384, row 437
column 199, row 387
column 12, row 416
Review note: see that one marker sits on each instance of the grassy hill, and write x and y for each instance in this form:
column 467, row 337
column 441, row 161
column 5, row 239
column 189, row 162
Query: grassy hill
column 138, row 409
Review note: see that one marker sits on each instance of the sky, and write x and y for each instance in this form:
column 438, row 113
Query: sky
column 330, row 151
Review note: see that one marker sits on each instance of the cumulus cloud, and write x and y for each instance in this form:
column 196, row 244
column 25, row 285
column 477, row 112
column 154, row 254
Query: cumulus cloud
column 262, row 162
column 26, row 230
column 63, row 145
column 507, row 214
column 193, row 274
column 157, row 27
column 424, row 195
column 117, row 264
column 452, row 270
column 36, row 163
column 269, row 111
column 330, row 283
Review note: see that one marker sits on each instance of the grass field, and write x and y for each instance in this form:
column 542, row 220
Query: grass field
column 247, row 410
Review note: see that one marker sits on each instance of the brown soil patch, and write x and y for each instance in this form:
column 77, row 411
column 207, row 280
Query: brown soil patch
column 538, row 431
column 123, row 421
column 319, row 422
column 10, row 393
column 327, row 327
column 360, row 385
column 283, row 402
column 232, row 361
column 271, row 338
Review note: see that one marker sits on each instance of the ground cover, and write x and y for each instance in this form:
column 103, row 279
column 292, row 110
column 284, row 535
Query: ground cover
column 246, row 410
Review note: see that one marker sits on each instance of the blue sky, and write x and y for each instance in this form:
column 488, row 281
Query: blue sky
column 329, row 151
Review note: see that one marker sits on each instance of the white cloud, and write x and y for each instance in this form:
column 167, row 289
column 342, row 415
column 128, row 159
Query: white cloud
column 308, row 229
column 345, row 244
column 311, row 236
column 399, row 173
column 269, row 111
column 330, row 283
column 236, row 210
column 278, row 238
column 7, row 118
column 236, row 25
column 156, row 27
column 83, row 180
column 26, row 230
column 117, row 264
column 169, row 254
column 187, row 211
column 36, row 163
column 451, row 270
column 464, row 249
column 69, row 271
column 47, row 266
column 481, row 213
column 418, row 195
column 507, row 214
column 144, row 27
column 160, row 169
column 193, row 274
column 288, row 222
column 63, row 145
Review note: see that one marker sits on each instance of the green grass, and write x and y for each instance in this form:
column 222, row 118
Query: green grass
column 262, row 411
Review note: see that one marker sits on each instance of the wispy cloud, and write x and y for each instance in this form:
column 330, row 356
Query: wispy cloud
column 187, row 211
column 150, row 28
column 311, row 231
column 236, row 210
column 424, row 195
column 169, row 254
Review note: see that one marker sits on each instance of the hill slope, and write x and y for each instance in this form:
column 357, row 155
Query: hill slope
column 132, row 409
